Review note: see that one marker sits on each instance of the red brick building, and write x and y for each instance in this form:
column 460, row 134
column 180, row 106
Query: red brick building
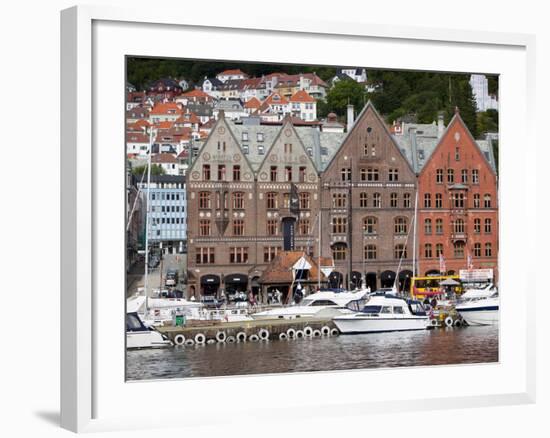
column 457, row 205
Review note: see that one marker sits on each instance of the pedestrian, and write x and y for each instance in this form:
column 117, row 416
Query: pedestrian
column 433, row 303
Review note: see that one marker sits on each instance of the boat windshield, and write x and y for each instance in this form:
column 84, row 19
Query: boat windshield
column 357, row 305
column 133, row 323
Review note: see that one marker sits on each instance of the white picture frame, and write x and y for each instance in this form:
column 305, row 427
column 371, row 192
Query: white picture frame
column 92, row 391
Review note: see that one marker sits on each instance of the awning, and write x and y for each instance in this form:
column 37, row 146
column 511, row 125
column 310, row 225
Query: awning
column 449, row 282
column 210, row 279
column 236, row 279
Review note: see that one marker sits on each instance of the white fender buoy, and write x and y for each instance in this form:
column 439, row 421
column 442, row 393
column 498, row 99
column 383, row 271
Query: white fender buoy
column 241, row 337
column 263, row 334
column 308, row 331
column 299, row 334
column 221, row 336
column 433, row 322
column 291, row 333
column 179, row 339
column 334, row 332
column 200, row 338
column 189, row 342
column 316, row 333
column 325, row 330
column 253, row 338
column 230, row 340
column 449, row 321
column 211, row 341
column 283, row 336
column 458, row 323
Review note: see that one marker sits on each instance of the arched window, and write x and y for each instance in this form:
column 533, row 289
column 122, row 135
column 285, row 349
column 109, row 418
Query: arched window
column 438, row 249
column 459, row 249
column 400, row 225
column 487, row 201
column 393, row 200
column 427, row 200
column 370, row 225
column 428, row 251
column 377, row 200
column 488, row 250
column 427, row 226
column 438, row 200
column 370, row 252
column 363, row 200
column 400, row 251
column 339, row 251
column 204, row 200
column 488, row 226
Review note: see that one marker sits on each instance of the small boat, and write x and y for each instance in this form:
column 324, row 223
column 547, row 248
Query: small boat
column 140, row 336
column 322, row 304
column 382, row 312
column 479, row 307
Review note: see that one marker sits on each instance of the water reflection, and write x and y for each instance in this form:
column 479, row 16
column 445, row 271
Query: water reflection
column 428, row 347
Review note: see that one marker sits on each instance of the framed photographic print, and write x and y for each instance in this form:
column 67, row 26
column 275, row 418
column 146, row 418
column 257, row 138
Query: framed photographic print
column 253, row 209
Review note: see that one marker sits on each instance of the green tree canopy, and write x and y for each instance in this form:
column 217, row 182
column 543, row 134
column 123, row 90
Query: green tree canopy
column 156, row 169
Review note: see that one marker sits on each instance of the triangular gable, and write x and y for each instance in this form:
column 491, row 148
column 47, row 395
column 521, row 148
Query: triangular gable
column 448, row 131
column 221, row 129
column 354, row 129
column 302, row 264
column 288, row 133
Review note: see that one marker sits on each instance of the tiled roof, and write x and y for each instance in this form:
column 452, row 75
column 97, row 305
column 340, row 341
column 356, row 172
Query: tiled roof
column 280, row 269
column 231, row 72
column 301, row 96
column 253, row 103
column 166, row 108
column 137, row 137
column 197, row 94
column 163, row 158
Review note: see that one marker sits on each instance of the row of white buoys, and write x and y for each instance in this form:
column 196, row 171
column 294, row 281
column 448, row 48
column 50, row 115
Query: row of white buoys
column 448, row 322
column 262, row 335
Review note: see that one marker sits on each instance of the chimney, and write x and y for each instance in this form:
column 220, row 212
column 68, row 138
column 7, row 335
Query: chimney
column 440, row 125
column 350, row 117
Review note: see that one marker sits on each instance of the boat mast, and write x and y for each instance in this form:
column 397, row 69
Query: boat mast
column 414, row 232
column 319, row 251
column 146, row 281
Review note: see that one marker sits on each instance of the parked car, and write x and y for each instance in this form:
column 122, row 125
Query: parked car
column 171, row 277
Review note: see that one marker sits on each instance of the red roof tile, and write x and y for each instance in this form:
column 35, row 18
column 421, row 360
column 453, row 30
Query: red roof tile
column 166, row 108
column 301, row 96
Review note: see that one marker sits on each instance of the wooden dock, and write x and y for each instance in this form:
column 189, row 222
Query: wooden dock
column 254, row 330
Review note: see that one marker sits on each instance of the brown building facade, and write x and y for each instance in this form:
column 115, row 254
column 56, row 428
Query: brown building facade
column 458, row 206
column 236, row 208
column 368, row 192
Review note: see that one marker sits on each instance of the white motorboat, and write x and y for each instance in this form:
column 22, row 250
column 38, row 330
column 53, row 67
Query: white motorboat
column 477, row 309
column 322, row 304
column 382, row 313
column 140, row 336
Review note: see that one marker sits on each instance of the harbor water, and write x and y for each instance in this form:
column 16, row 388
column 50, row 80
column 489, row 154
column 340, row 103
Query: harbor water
column 381, row 350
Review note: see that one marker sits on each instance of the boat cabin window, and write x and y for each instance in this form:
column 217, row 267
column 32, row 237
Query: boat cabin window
column 398, row 309
column 323, row 303
column 371, row 309
column 386, row 309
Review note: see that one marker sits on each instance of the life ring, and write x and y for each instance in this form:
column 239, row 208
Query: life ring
column 433, row 322
column 253, row 338
column 325, row 330
column 316, row 333
column 221, row 336
column 458, row 323
column 449, row 321
column 189, row 342
column 299, row 334
column 334, row 332
column 291, row 333
column 263, row 334
column 200, row 338
column 179, row 339
column 231, row 340
column 241, row 337
column 308, row 331
column 283, row 336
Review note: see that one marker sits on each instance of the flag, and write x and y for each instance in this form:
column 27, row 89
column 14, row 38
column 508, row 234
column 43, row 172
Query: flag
column 442, row 267
column 470, row 261
column 294, row 200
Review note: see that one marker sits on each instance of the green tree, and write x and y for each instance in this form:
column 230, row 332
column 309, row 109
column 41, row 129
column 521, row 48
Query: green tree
column 345, row 92
column 156, row 169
